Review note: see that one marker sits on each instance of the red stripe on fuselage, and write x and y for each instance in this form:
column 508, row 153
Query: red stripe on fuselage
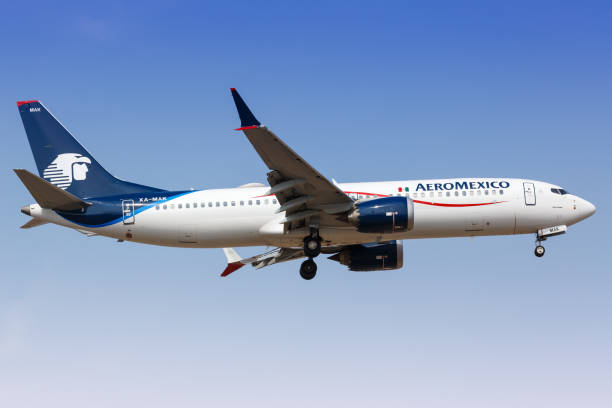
column 455, row 205
column 416, row 201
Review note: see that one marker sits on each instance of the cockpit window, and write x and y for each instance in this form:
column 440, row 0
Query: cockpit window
column 559, row 191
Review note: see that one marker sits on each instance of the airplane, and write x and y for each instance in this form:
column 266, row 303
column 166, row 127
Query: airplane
column 300, row 213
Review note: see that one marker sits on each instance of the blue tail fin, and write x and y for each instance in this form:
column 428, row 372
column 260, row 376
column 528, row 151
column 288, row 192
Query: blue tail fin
column 64, row 162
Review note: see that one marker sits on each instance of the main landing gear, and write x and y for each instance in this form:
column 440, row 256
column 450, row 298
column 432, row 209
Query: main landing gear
column 312, row 249
column 308, row 269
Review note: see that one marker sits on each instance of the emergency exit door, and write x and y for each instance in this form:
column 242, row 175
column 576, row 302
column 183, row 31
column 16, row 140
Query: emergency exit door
column 530, row 195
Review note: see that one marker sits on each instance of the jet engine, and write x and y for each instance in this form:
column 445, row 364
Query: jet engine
column 372, row 257
column 383, row 215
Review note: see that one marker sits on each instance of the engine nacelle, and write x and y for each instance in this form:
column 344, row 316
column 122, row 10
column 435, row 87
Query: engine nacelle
column 383, row 215
column 372, row 257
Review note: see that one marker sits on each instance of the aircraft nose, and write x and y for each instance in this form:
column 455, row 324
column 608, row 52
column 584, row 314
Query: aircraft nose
column 589, row 209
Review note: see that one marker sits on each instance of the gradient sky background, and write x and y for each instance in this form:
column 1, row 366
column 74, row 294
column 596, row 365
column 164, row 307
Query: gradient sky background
column 364, row 92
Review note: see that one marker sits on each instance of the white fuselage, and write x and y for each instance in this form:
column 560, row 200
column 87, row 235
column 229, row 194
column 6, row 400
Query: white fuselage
column 246, row 217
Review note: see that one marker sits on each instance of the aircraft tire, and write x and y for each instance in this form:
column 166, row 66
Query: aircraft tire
column 539, row 251
column 308, row 269
column 312, row 247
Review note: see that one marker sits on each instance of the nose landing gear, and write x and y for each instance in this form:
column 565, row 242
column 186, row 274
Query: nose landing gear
column 312, row 249
column 539, row 249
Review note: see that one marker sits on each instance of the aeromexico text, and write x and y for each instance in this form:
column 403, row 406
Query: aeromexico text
column 462, row 185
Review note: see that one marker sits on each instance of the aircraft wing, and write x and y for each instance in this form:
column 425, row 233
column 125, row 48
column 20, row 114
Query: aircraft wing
column 302, row 191
column 277, row 255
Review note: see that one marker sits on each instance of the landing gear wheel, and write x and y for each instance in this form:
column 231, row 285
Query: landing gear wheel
column 312, row 246
column 539, row 251
column 308, row 270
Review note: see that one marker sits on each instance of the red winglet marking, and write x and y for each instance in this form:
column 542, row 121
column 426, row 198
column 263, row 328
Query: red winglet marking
column 19, row 103
column 247, row 127
column 232, row 267
column 233, row 89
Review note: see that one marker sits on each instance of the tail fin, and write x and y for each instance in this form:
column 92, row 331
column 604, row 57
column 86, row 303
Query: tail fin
column 63, row 161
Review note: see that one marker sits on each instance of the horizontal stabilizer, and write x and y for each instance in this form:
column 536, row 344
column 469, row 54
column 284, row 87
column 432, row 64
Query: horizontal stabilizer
column 47, row 195
column 34, row 222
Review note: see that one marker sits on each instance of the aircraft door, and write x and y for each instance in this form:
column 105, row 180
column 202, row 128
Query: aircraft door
column 530, row 195
column 127, row 207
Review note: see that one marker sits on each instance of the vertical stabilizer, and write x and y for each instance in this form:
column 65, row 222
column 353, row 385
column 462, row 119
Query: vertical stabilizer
column 63, row 161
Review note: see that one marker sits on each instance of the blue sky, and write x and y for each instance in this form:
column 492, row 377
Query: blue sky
column 364, row 91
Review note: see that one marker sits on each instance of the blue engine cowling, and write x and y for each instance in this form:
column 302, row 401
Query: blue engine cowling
column 372, row 257
column 383, row 215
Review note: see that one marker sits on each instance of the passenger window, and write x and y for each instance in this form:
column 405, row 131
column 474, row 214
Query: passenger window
column 501, row 192
column 479, row 192
column 202, row 205
column 210, row 203
column 274, row 202
column 439, row 194
column 448, row 193
column 431, row 194
column 195, row 205
column 486, row 192
column 172, row 206
column 422, row 195
column 242, row 203
column 250, row 202
column 187, row 205
column 464, row 193
column 217, row 204
column 257, row 202
column 233, row 203
column 225, row 203
column 157, row 207
column 493, row 192
column 456, row 193
column 180, row 206
column 165, row 207
column 266, row 201
column 471, row 192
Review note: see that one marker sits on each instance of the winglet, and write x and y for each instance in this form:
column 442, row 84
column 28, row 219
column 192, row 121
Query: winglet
column 247, row 119
column 233, row 267
column 233, row 261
